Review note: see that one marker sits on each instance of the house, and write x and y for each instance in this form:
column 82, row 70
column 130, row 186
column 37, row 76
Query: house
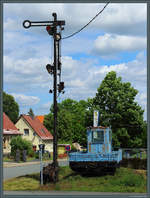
column 35, row 131
column 9, row 131
column 41, row 118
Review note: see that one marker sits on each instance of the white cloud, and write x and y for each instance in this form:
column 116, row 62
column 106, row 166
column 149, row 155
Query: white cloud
column 118, row 68
column 81, row 77
column 26, row 74
column 123, row 29
column 24, row 43
column 116, row 18
column 43, row 108
column 84, row 74
column 109, row 44
column 24, row 100
column 128, row 19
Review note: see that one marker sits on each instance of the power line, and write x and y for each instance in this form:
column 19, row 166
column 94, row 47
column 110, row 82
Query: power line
column 87, row 23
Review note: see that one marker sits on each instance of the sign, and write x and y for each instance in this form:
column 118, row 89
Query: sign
column 96, row 118
column 67, row 147
column 42, row 147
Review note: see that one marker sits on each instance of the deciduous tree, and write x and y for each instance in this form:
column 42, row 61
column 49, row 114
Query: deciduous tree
column 10, row 107
column 116, row 102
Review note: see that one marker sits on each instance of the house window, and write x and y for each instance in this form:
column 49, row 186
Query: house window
column 26, row 131
column 34, row 134
column 98, row 137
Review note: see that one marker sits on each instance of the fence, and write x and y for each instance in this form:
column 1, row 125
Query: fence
column 129, row 153
column 135, row 158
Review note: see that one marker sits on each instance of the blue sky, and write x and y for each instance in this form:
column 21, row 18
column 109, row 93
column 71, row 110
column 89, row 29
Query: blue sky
column 115, row 40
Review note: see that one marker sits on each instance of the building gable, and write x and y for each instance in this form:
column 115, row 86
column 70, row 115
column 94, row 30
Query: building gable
column 36, row 126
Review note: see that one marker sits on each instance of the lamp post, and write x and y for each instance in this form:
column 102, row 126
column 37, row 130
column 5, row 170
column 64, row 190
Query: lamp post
column 51, row 27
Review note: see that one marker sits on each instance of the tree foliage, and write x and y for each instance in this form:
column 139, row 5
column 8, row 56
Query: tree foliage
column 118, row 109
column 72, row 116
column 10, row 107
column 31, row 113
column 116, row 102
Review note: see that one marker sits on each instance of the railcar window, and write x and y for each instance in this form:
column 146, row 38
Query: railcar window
column 110, row 136
column 98, row 137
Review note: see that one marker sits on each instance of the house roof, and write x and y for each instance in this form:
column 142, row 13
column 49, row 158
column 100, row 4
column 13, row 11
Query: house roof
column 8, row 126
column 38, row 127
column 41, row 118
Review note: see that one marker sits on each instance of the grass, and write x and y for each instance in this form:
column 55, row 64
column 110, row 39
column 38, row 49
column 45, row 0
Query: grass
column 29, row 159
column 8, row 159
column 124, row 180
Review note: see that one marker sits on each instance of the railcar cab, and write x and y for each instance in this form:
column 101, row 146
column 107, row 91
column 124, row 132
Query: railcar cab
column 99, row 140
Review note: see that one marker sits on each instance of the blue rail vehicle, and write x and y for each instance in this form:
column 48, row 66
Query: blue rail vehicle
column 99, row 157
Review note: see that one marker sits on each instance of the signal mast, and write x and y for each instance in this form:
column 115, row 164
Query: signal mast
column 55, row 70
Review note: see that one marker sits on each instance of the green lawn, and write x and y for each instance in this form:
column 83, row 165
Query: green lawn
column 124, row 180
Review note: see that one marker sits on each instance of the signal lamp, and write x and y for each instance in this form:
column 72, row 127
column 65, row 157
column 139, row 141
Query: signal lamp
column 50, row 30
column 58, row 37
column 50, row 68
column 60, row 86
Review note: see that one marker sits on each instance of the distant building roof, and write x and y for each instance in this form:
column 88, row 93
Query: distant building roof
column 41, row 118
column 38, row 127
column 8, row 126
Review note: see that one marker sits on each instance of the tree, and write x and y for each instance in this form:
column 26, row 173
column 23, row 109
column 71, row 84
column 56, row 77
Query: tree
column 10, row 107
column 71, row 121
column 116, row 102
column 31, row 113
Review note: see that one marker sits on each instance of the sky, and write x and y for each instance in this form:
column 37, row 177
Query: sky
column 114, row 41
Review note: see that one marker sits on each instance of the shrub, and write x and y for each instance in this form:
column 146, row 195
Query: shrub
column 20, row 144
column 31, row 153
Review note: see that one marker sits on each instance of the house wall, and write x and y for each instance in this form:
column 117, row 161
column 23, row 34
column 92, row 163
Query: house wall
column 61, row 149
column 6, row 144
column 35, row 139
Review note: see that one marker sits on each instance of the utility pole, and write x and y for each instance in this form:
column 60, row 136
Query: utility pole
column 55, row 69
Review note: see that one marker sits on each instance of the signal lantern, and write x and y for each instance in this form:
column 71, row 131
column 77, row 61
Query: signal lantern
column 60, row 86
column 50, row 68
column 50, row 30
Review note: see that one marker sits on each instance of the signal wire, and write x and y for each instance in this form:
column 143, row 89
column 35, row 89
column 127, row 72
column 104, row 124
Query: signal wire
column 87, row 23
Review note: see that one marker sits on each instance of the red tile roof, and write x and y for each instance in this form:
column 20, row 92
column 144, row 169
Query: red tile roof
column 8, row 126
column 38, row 127
column 41, row 118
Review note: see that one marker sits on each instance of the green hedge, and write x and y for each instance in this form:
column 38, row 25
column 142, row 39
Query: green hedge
column 135, row 163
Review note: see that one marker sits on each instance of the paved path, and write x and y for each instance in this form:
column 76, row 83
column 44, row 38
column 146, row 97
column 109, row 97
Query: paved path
column 11, row 170
column 14, row 164
column 75, row 194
